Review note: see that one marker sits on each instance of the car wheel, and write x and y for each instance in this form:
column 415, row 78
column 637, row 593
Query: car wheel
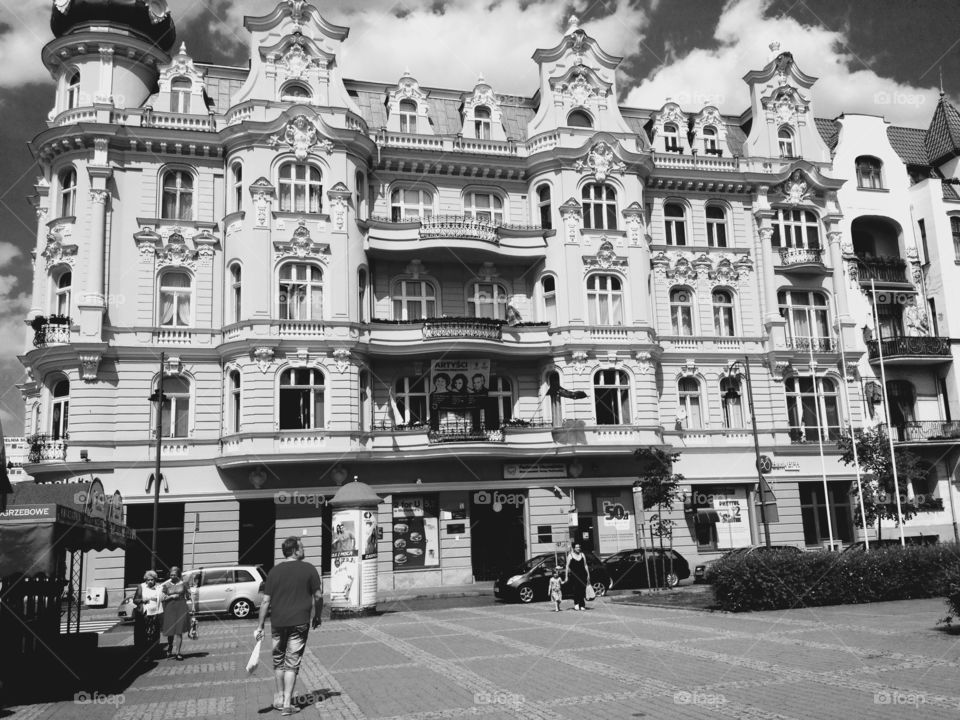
column 525, row 593
column 241, row 608
column 599, row 588
column 672, row 580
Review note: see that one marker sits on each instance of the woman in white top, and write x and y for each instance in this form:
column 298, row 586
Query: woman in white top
column 148, row 616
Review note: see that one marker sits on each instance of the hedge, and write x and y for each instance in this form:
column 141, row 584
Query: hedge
column 953, row 590
column 777, row 580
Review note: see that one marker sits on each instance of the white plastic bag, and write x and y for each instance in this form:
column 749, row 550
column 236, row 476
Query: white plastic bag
column 254, row 657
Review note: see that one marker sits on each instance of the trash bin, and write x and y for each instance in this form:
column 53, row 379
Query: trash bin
column 353, row 551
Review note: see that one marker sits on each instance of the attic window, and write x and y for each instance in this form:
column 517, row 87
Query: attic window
column 295, row 92
column 710, row 140
column 180, row 95
column 408, row 116
column 482, row 123
column 671, row 138
column 578, row 118
column 785, row 139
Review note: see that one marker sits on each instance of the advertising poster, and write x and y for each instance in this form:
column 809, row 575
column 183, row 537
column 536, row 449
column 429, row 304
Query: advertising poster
column 368, row 562
column 459, row 384
column 615, row 522
column 344, row 559
column 416, row 532
column 733, row 530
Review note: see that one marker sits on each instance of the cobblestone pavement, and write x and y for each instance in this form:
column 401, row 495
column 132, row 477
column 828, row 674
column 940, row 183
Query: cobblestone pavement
column 886, row 660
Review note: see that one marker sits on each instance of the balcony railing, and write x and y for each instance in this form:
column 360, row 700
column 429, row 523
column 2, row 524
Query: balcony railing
column 54, row 330
column 472, row 328
column 463, row 432
column 920, row 346
column 803, row 435
column 882, row 269
column 45, row 448
column 459, row 226
column 800, row 256
column 923, row 430
column 817, row 344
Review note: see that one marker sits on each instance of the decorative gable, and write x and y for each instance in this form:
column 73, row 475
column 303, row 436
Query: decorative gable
column 482, row 97
column 581, row 87
column 710, row 117
column 300, row 60
column 408, row 89
column 671, row 114
column 181, row 67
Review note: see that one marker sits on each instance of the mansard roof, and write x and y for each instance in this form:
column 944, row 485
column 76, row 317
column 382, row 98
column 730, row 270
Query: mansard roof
column 942, row 140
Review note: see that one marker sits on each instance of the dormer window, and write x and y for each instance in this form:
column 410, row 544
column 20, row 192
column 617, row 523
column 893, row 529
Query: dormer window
column 73, row 90
column 408, row 116
column 295, row 92
column 710, row 145
column 579, row 118
column 180, row 95
column 671, row 138
column 869, row 173
column 482, row 123
column 785, row 139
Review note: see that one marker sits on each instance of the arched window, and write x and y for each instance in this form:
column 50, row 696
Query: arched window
column 301, row 399
column 731, row 400
column 785, row 140
column 60, row 409
column 411, row 400
column 73, row 89
column 408, row 116
column 579, row 118
column 301, row 188
column 611, row 392
column 300, row 292
column 180, row 89
column 675, row 223
column 806, row 315
column 955, row 233
column 176, row 408
column 544, row 206
column 548, row 288
column 61, row 299
column 813, row 409
column 414, row 300
column 681, row 311
column 689, row 409
column 710, row 145
column 482, row 122
column 901, row 400
column 68, row 192
column 236, row 182
column 233, row 410
column 723, row 313
column 483, row 206
column 599, row 207
column 410, row 204
column 604, row 300
column 671, row 138
column 796, row 229
column 176, row 293
column 716, row 226
column 236, row 292
column 869, row 173
column 296, row 92
column 487, row 300
column 177, row 203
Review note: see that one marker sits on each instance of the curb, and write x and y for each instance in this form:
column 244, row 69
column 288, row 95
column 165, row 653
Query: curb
column 435, row 596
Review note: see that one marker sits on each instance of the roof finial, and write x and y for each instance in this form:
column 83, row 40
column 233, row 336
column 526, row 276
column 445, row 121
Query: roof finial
column 183, row 48
column 942, row 93
column 574, row 24
column 774, row 47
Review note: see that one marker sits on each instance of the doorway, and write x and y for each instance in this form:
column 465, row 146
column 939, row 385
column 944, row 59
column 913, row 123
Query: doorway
column 257, row 531
column 498, row 533
column 136, row 559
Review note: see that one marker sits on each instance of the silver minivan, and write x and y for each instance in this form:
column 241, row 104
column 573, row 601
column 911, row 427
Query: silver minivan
column 234, row 589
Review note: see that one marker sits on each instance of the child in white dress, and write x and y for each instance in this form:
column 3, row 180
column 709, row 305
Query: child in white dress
column 556, row 592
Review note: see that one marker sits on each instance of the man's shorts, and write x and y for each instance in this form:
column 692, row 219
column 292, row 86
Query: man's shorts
column 288, row 646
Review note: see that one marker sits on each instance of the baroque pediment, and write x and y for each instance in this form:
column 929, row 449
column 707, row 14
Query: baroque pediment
column 303, row 136
column 301, row 245
column 601, row 162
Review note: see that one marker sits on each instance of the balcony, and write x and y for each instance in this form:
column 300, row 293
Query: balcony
column 808, row 261
column 475, row 236
column 808, row 344
column 46, row 448
column 889, row 270
column 923, row 431
column 459, row 227
column 460, row 328
column 54, row 330
column 924, row 350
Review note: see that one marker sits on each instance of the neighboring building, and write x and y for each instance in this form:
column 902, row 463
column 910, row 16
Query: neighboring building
column 16, row 455
column 322, row 259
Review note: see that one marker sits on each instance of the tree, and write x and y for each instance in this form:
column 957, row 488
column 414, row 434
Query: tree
column 660, row 488
column 879, row 496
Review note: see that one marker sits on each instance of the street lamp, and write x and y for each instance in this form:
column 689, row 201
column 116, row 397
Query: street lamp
column 736, row 368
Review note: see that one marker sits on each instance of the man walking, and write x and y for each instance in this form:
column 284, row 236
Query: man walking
column 293, row 595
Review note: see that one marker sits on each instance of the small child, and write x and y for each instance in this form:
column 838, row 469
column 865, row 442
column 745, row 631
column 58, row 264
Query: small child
column 556, row 593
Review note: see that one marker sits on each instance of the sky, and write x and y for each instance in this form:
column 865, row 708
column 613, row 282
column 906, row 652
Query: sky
column 881, row 57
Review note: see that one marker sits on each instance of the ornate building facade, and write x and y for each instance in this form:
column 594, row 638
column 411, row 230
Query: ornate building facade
column 478, row 304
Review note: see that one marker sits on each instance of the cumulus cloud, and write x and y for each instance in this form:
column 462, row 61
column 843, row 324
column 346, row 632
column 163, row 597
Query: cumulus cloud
column 24, row 30
column 14, row 303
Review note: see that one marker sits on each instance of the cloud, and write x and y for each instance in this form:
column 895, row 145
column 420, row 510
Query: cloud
column 24, row 30
column 14, row 303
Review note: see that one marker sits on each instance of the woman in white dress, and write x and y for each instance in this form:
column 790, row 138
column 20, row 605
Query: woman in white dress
column 148, row 615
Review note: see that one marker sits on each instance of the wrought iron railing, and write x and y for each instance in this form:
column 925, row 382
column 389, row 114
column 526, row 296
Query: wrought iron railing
column 451, row 431
column 800, row 256
column 919, row 346
column 803, row 435
column 915, row 430
column 882, row 269
column 459, row 226
column 474, row 328
column 44, row 448
column 805, row 344
column 50, row 331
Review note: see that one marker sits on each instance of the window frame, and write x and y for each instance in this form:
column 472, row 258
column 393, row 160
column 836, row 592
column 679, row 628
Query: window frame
column 548, row 300
column 599, row 206
column 290, row 189
column 62, row 294
column 724, row 313
column 72, row 88
column 675, row 226
column 60, row 409
column 786, row 142
column 176, row 293
column 178, row 190
column 67, row 183
column 869, row 169
column 716, row 226
column 687, row 401
column 400, row 207
column 815, row 316
column 315, row 390
column 605, row 302
column 236, row 185
column 306, row 98
column 482, row 126
column 411, row 395
column 711, row 140
column 234, row 400
column 619, row 411
column 400, row 299
column 309, row 285
column 671, row 138
column 683, row 309
column 794, row 395
column 496, row 210
column 177, row 420
column 955, row 234
column 544, row 205
column 579, row 112
column 181, row 88
column 725, row 386
column 407, row 112
column 236, row 291
column 476, row 299
column 796, row 228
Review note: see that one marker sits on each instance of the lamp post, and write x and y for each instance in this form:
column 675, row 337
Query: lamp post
column 735, row 369
column 157, row 397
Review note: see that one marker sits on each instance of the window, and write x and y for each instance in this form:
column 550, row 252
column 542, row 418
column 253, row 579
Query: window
column 301, row 188
column 411, row 399
column 806, row 316
column 236, row 292
column 716, row 226
column 487, row 300
column 414, row 300
column 604, row 300
column 796, row 229
column 300, row 292
column 301, row 399
column 218, row 577
column 362, row 313
column 556, row 403
column 68, row 192
column 785, row 140
column 671, row 138
column 813, row 512
column 681, row 311
column 731, row 400
column 890, row 320
column 180, row 95
column 611, row 390
column 363, row 401
column 723, row 313
column 61, row 300
column 410, row 204
column 599, row 207
column 360, row 183
column 408, row 116
column 544, row 206
column 710, row 144
column 482, row 124
column 675, row 223
column 176, row 408
column 295, row 92
column 923, row 241
column 500, row 408
column 483, row 206
column 579, row 118
column 901, row 399
column 236, row 181
column 233, row 410
column 60, row 410
column 955, row 232
column 548, row 285
column 813, row 409
column 689, row 410
column 869, row 173
column 176, row 292
column 73, row 90
column 177, row 203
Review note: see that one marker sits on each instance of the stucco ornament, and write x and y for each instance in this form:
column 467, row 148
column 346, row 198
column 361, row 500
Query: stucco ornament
column 158, row 11
column 302, row 136
column 796, row 190
column 601, row 162
column 296, row 62
column 605, row 259
column 263, row 356
column 89, row 365
column 176, row 253
column 341, row 357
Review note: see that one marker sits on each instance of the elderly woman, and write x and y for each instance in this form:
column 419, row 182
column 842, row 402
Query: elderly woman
column 148, row 615
column 176, row 613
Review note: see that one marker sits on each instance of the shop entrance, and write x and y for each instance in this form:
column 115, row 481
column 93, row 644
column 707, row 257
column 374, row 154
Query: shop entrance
column 498, row 537
column 257, row 529
column 585, row 534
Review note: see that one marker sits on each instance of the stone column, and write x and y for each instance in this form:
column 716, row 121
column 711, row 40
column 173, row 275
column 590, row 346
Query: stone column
column 92, row 306
column 835, row 239
column 771, row 309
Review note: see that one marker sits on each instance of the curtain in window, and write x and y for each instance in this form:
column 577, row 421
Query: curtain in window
column 183, row 310
column 167, row 308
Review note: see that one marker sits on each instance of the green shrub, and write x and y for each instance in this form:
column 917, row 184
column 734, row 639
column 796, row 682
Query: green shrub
column 778, row 580
column 953, row 590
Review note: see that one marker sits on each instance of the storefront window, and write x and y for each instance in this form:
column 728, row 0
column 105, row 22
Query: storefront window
column 720, row 515
column 813, row 511
column 416, row 532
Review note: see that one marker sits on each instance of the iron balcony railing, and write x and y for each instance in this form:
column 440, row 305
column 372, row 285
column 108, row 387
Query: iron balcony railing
column 44, row 448
column 806, row 344
column 919, row 346
column 459, row 226
column 923, row 430
column 800, row 256
column 882, row 269
column 471, row 328
column 803, row 435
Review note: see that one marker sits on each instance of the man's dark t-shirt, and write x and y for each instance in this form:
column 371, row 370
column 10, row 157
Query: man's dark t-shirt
column 291, row 585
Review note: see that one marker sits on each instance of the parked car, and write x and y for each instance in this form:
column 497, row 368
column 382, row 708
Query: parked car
column 125, row 611
column 630, row 568
column 531, row 580
column 234, row 589
column 912, row 540
column 701, row 573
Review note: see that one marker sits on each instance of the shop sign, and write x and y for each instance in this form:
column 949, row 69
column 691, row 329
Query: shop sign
column 534, row 471
column 791, row 466
column 416, row 532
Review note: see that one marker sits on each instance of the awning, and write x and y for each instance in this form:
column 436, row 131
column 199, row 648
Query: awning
column 707, row 515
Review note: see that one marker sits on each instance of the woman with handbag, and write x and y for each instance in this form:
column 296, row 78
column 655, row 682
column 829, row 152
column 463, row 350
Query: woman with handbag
column 147, row 615
column 176, row 612
column 578, row 575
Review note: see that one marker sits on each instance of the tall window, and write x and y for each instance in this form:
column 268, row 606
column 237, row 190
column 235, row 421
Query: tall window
column 690, row 409
column 410, row 395
column 675, row 223
column 233, row 411
column 901, row 399
column 723, row 313
column 681, row 311
column 548, row 286
column 487, row 300
column 716, row 226
column 180, row 95
column 785, row 140
column 300, row 292
column 807, row 319
column 813, row 408
column 501, row 407
column 360, row 182
column 407, row 204
column 414, row 300
column 813, row 513
column 236, row 292
column 73, row 90
column 710, row 140
column 599, row 207
column 61, row 301
column 611, row 392
column 731, row 400
column 604, row 300
column 301, row 188
column 176, row 293
column 955, row 232
column 60, row 410
column 301, row 399
column 869, row 172
column 796, row 229
column 68, row 192
column 236, row 182
column 177, row 201
column 544, row 206
column 362, row 313
column 408, row 116
column 176, row 408
column 482, row 124
column 483, row 206
column 671, row 137
column 579, row 118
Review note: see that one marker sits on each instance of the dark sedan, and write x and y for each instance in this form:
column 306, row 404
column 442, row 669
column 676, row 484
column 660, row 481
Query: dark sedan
column 701, row 573
column 530, row 581
column 635, row 568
